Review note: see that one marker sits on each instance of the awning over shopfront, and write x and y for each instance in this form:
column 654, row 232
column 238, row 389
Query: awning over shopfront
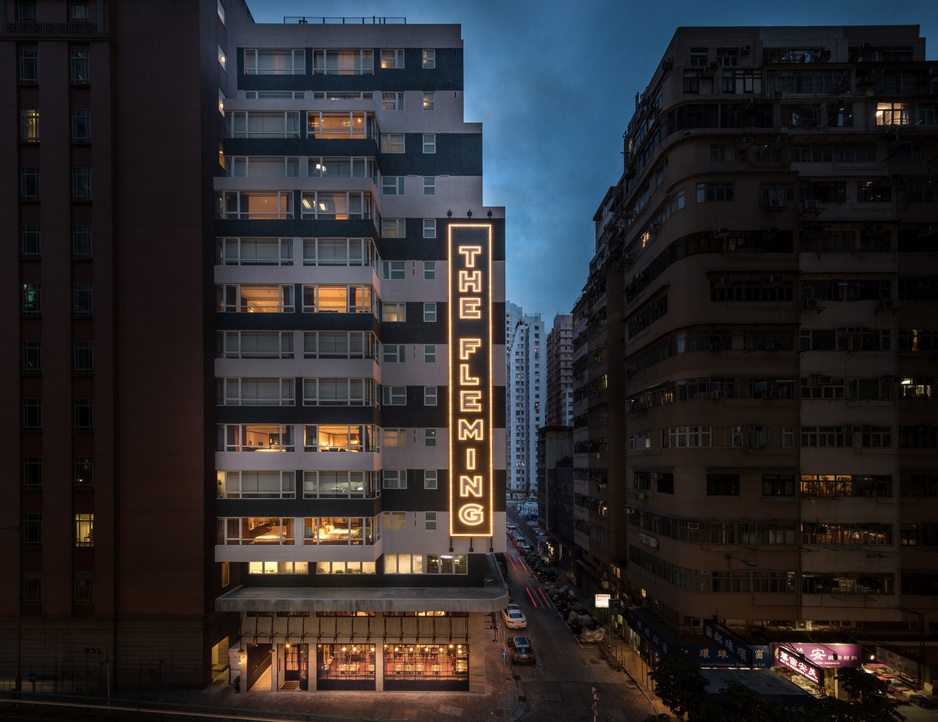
column 701, row 649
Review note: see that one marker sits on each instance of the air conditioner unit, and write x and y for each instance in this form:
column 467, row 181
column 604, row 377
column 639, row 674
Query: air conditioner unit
column 811, row 303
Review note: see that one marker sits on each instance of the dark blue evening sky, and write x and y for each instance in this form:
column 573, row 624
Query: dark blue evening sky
column 554, row 85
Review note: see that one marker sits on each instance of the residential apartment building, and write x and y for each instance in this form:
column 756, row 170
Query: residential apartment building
column 311, row 380
column 526, row 402
column 560, row 371
column 757, row 333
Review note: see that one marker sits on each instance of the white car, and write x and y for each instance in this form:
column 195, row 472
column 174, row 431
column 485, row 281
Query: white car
column 514, row 618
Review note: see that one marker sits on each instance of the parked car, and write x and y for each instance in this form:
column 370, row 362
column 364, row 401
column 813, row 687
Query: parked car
column 521, row 650
column 514, row 618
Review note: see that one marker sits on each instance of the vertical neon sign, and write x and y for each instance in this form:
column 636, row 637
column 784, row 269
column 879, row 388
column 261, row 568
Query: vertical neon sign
column 470, row 380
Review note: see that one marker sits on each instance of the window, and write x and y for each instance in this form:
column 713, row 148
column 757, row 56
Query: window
column 340, row 485
column 394, row 312
column 255, row 205
column 253, row 437
column 83, row 415
column 78, row 11
column 83, row 586
column 81, row 299
column 722, row 484
column 256, row 484
column 26, row 10
column 29, row 184
column 84, row 477
column 392, row 185
column 392, row 58
column 344, row 62
column 715, row 192
column 269, row 124
column 29, row 67
column 394, row 395
column 429, row 437
column 338, row 437
column 392, row 143
column 873, row 192
column 221, row 12
column 32, row 299
column 84, row 530
column 81, row 184
column 254, row 251
column 32, row 472
column 32, row 589
column 29, row 242
column 429, row 186
column 392, row 101
column 893, row 114
column 29, row 126
column 278, row 567
column 395, row 521
column 82, row 354
column 393, row 353
column 393, row 271
column 337, row 299
column 428, row 58
column 81, row 242
column 81, row 126
column 32, row 530
column 393, row 228
column 429, row 313
column 221, row 110
column 429, row 143
column 430, row 479
column 226, row 574
column 429, row 395
column 429, row 100
column 337, row 251
column 256, row 392
column 393, row 438
column 338, row 392
column 339, row 344
column 32, row 357
column 429, row 354
column 80, row 67
column 691, row 84
column 429, row 228
column 222, row 58
column 429, row 520
column 394, row 479
column 274, row 62
column 429, row 271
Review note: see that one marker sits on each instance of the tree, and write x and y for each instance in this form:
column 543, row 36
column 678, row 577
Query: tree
column 679, row 684
column 869, row 700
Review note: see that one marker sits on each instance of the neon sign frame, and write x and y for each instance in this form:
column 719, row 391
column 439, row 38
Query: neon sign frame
column 471, row 412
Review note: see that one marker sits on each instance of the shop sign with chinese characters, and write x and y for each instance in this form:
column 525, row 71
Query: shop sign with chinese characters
column 797, row 663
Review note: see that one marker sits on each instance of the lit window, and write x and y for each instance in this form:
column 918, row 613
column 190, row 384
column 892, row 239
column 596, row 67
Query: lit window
column 84, row 530
column 29, row 126
column 392, row 142
column 393, row 228
column 429, row 59
column 32, row 299
column 429, row 101
column 222, row 58
column 394, row 312
column 892, row 114
column 221, row 12
column 392, row 101
column 392, row 58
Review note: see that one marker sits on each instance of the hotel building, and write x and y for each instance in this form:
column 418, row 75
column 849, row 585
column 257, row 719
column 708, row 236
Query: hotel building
column 758, row 335
column 272, row 445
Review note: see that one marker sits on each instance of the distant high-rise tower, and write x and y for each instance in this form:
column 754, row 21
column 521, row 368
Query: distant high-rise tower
column 526, row 401
column 560, row 371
